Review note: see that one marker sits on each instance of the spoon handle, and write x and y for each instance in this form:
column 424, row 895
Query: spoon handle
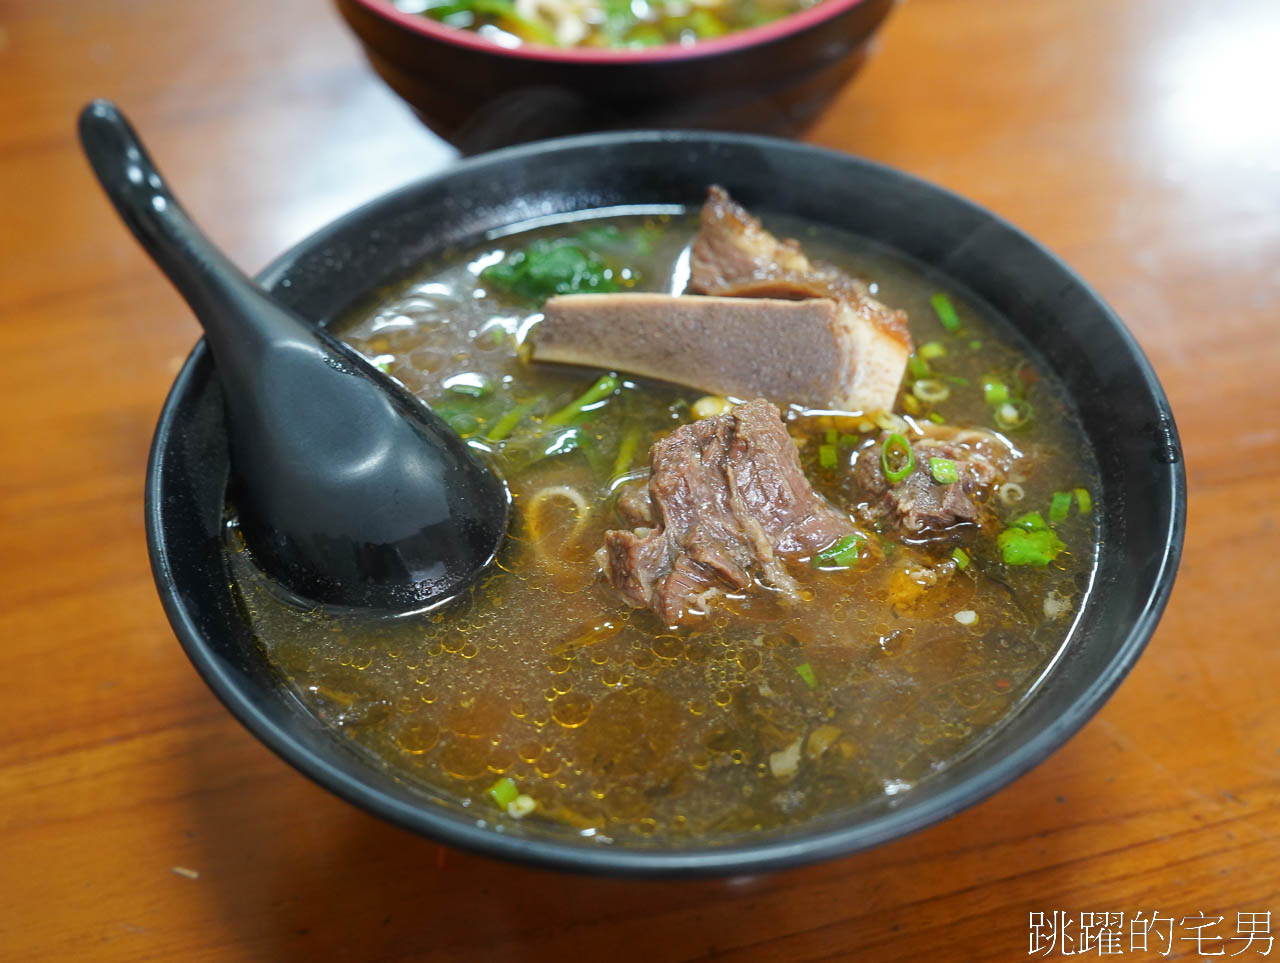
column 206, row 278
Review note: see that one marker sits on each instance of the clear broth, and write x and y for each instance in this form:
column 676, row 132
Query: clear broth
column 619, row 727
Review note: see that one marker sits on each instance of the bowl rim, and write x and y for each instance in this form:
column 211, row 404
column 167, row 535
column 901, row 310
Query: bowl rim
column 734, row 41
column 799, row 848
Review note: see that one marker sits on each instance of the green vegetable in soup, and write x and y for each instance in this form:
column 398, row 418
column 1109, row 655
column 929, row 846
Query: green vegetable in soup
column 841, row 554
column 946, row 312
column 545, row 268
column 1029, row 541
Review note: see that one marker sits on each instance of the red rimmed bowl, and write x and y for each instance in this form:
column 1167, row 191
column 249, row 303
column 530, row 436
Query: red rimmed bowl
column 770, row 79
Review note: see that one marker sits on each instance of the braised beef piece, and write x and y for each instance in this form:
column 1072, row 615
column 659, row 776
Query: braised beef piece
column 728, row 502
column 919, row 504
column 734, row 256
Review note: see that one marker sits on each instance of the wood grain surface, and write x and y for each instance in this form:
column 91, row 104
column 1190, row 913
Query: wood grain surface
column 1140, row 139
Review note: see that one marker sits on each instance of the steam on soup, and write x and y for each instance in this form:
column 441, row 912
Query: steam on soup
column 662, row 652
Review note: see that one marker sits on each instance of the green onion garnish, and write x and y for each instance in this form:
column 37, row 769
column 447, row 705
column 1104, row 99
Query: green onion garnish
column 503, row 792
column 946, row 312
column 975, row 344
column 830, row 436
column 1029, row 541
column 841, row 553
column 1083, row 501
column 943, row 471
column 1060, row 506
column 604, row 386
column 848, row 441
column 805, row 671
column 897, row 450
column 918, row 367
column 1031, row 522
column 931, row 350
column 827, row 456
column 936, row 418
column 627, row 450
column 994, row 392
column 1012, row 414
column 931, row 390
column 508, row 422
column 1021, row 547
column 961, row 557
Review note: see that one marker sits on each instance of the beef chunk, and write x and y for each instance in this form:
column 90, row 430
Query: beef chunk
column 729, row 502
column 920, row 505
column 734, row 256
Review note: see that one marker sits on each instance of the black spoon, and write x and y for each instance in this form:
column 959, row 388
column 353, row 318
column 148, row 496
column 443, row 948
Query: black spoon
column 350, row 491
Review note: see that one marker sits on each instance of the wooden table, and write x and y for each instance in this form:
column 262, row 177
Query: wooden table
column 1140, row 139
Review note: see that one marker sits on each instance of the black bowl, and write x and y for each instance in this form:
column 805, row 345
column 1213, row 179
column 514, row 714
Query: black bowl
column 773, row 79
column 1141, row 501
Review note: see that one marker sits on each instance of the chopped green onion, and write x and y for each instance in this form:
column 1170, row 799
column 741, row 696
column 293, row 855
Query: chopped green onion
column 841, row 553
column 936, row 418
column 604, row 386
column 918, row 367
column 827, row 457
column 1021, row 547
column 1083, row 501
column 931, row 390
column 1012, row 414
column 994, row 392
column 831, row 436
column 508, row 422
column 931, row 350
column 897, row 448
column 961, row 557
column 1059, row 506
column 1031, row 522
column 627, row 450
column 461, row 418
column 805, row 671
column 943, row 471
column 946, row 312
column 958, row 380
column 975, row 344
column 503, row 792
column 848, row 441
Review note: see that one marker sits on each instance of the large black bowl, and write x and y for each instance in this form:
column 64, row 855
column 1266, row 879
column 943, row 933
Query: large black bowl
column 1125, row 414
column 773, row 79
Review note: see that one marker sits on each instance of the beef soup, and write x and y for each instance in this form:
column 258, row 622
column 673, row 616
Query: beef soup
column 726, row 603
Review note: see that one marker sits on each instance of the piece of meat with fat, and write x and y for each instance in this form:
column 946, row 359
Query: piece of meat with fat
column 729, row 502
column 919, row 504
column 798, row 352
column 734, row 256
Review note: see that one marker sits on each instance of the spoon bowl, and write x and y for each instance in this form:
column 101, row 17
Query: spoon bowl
column 350, row 492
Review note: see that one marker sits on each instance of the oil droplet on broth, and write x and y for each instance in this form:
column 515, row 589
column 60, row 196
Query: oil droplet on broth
column 416, row 738
column 571, row 710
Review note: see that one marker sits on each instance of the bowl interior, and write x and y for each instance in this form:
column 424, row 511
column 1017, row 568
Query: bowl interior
column 1124, row 412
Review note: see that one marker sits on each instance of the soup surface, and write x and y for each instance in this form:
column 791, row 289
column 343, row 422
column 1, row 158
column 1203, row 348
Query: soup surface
column 541, row 695
column 603, row 23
